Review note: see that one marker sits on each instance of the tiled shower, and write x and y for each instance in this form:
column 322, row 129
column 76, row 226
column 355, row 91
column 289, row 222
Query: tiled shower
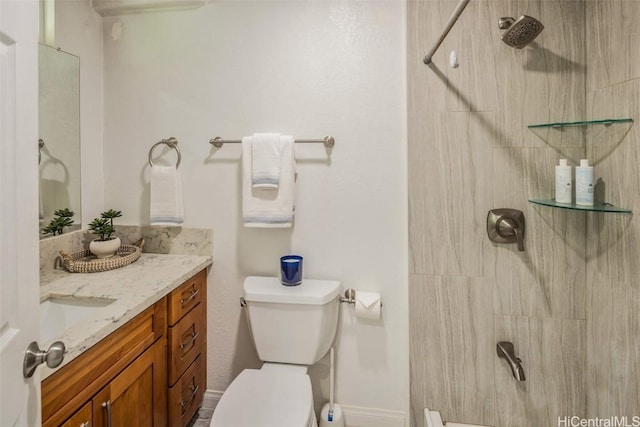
column 569, row 303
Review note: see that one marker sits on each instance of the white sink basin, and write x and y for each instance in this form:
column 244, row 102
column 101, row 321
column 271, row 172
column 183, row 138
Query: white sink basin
column 59, row 314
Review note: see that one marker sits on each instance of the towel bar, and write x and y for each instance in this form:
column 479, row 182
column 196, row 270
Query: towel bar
column 171, row 142
column 328, row 141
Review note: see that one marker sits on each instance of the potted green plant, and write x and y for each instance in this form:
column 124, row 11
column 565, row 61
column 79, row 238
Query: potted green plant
column 106, row 245
column 57, row 224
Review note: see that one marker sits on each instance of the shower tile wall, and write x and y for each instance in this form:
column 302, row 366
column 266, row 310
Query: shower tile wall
column 613, row 241
column 470, row 151
column 460, row 349
column 552, row 349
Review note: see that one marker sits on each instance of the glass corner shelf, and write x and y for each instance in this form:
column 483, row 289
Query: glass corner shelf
column 597, row 207
column 605, row 122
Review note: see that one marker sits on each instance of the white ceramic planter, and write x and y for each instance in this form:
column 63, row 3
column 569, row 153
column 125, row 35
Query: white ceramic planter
column 104, row 249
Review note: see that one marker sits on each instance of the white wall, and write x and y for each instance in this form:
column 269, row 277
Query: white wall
column 79, row 31
column 305, row 68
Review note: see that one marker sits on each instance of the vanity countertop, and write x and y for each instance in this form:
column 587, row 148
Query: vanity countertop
column 132, row 288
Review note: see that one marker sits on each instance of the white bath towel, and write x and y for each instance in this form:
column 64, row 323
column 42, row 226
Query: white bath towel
column 269, row 208
column 265, row 160
column 166, row 206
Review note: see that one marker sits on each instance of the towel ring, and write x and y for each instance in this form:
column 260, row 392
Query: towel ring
column 40, row 147
column 171, row 142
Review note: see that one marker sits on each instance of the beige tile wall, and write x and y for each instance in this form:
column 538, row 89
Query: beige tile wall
column 451, row 177
column 452, row 364
column 553, row 354
column 613, row 241
column 470, row 151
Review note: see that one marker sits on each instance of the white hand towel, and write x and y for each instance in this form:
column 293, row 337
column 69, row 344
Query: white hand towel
column 269, row 208
column 265, row 160
column 166, row 206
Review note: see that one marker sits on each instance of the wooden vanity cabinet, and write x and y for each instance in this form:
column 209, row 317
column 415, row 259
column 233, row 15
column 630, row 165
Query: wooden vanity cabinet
column 124, row 377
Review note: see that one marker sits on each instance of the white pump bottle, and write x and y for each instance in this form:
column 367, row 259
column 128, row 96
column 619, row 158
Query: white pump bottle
column 584, row 183
column 563, row 182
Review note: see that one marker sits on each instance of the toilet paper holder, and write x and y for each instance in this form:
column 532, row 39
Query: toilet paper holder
column 350, row 297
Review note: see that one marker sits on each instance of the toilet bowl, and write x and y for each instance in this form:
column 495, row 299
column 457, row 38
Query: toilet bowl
column 274, row 396
column 292, row 327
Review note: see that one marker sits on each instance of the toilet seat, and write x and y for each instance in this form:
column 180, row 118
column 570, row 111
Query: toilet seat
column 274, row 396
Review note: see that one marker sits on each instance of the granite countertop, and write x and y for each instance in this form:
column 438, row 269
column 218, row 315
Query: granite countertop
column 132, row 289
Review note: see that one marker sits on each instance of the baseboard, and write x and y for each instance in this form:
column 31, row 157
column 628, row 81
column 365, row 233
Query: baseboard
column 354, row 416
column 211, row 399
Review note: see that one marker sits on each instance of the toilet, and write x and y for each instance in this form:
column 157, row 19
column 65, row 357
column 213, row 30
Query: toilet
column 292, row 328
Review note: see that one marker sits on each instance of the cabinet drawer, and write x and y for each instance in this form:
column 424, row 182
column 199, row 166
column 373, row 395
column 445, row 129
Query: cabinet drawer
column 82, row 418
column 186, row 296
column 186, row 340
column 185, row 397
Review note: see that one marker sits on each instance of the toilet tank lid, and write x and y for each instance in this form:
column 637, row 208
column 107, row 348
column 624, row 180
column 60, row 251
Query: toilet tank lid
column 269, row 289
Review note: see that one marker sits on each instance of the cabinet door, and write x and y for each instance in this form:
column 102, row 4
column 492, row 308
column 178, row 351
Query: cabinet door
column 82, row 418
column 138, row 395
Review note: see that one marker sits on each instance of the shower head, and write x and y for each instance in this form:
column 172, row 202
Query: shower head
column 521, row 32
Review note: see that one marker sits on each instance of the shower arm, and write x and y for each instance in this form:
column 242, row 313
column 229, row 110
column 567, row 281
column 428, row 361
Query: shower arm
column 452, row 20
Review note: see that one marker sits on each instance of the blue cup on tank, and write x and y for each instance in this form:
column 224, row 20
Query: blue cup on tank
column 291, row 270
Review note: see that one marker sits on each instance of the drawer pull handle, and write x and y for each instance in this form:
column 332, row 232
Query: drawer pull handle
column 186, row 403
column 190, row 342
column 183, row 301
column 107, row 405
column 85, row 424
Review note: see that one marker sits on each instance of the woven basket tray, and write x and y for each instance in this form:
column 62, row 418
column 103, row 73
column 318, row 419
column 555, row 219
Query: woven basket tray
column 86, row 262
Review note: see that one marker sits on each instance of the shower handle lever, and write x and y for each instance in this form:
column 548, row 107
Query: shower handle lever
column 508, row 227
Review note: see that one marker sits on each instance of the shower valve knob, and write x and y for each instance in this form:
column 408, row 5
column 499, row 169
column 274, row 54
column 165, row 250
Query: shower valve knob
column 506, row 226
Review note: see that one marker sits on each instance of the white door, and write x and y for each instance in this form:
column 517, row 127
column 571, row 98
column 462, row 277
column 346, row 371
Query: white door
column 19, row 265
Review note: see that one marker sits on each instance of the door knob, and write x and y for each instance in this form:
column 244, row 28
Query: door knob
column 34, row 357
column 506, row 226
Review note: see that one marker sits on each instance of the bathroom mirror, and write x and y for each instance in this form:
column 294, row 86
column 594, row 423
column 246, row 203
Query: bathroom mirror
column 59, row 130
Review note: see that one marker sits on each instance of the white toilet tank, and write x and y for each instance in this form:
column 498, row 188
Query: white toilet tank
column 292, row 324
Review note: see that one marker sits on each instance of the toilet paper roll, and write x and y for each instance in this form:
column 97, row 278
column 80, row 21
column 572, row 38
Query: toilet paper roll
column 368, row 305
